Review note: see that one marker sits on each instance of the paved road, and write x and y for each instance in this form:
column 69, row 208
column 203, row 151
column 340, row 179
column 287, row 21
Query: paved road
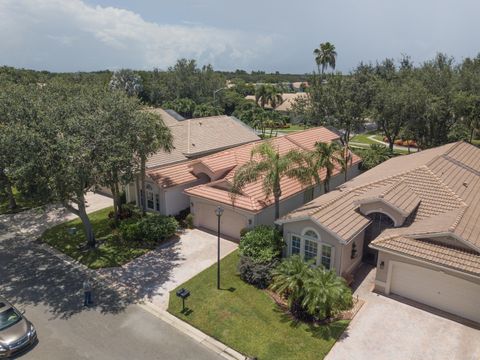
column 115, row 328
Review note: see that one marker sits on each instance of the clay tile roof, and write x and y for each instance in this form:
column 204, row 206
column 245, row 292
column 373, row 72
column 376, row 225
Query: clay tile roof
column 399, row 195
column 254, row 191
column 194, row 137
column 439, row 187
column 431, row 251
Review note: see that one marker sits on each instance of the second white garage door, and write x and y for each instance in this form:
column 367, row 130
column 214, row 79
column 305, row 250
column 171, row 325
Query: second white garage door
column 436, row 289
column 231, row 223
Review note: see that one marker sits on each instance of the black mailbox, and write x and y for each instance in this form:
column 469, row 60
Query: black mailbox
column 183, row 294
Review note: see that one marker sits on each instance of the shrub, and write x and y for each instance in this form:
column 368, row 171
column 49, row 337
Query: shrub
column 157, row 228
column 127, row 211
column 255, row 273
column 150, row 229
column 260, row 249
column 131, row 232
column 189, row 221
column 244, row 231
column 314, row 293
column 262, row 244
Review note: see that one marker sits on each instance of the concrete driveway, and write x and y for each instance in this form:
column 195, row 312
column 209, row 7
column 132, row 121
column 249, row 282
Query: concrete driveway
column 152, row 276
column 387, row 328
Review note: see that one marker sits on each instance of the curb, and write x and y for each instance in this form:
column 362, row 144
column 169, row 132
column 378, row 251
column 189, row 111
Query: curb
column 197, row 335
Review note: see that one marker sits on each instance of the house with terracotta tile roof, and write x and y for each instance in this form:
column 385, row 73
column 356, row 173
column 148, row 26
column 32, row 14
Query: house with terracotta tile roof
column 192, row 138
column 204, row 183
column 416, row 217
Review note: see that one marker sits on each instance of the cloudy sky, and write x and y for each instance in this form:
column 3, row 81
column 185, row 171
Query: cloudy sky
column 83, row 35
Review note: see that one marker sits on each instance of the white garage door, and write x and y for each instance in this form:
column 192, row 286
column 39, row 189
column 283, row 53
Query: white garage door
column 436, row 289
column 231, row 223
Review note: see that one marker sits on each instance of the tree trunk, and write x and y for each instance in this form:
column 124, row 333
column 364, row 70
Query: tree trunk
column 87, row 225
column 142, row 183
column 116, row 202
column 12, row 203
column 326, row 185
column 277, row 206
column 391, row 142
column 81, row 212
column 472, row 132
column 137, row 189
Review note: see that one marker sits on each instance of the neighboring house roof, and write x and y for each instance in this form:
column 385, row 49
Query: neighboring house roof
column 195, row 137
column 222, row 166
column 288, row 100
column 438, row 189
column 253, row 198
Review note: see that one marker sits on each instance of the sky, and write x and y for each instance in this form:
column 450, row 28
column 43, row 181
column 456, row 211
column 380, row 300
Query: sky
column 280, row 35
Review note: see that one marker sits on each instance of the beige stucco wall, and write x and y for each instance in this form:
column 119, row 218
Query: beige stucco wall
column 299, row 227
column 349, row 265
column 232, row 221
column 382, row 271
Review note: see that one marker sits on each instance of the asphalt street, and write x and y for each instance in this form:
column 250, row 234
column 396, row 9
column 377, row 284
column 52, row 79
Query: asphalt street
column 114, row 328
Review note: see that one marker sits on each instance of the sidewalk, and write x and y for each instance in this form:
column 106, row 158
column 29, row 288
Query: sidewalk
column 150, row 277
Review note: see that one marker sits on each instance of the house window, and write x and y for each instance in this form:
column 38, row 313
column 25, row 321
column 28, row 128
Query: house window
column 308, row 195
column 157, row 202
column 295, row 248
column 150, row 196
column 310, row 250
column 311, row 234
column 326, row 258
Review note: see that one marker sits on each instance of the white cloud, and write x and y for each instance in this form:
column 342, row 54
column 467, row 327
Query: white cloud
column 72, row 35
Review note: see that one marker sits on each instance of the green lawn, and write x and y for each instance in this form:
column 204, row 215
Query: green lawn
column 363, row 139
column 109, row 253
column 293, row 128
column 23, row 203
column 247, row 320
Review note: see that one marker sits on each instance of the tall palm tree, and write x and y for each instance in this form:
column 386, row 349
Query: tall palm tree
column 269, row 165
column 325, row 56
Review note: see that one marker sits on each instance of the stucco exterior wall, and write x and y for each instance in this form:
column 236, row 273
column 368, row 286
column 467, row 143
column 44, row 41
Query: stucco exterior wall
column 349, row 265
column 174, row 198
column 267, row 215
column 298, row 228
column 232, row 221
column 382, row 269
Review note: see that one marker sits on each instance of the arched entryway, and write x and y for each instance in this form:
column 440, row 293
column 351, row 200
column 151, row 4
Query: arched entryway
column 380, row 222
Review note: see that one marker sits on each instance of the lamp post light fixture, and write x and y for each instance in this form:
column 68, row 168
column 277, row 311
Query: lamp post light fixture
column 218, row 212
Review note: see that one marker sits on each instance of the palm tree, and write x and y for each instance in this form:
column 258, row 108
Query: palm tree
column 325, row 56
column 289, row 277
column 309, row 165
column 325, row 294
column 268, row 95
column 345, row 160
column 269, row 165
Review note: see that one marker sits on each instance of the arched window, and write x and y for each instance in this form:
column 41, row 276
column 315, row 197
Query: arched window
column 311, row 234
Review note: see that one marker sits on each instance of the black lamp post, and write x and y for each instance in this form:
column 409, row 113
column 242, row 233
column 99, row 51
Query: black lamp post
column 218, row 212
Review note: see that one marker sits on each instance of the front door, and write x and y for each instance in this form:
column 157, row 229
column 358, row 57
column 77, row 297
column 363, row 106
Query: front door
column 379, row 223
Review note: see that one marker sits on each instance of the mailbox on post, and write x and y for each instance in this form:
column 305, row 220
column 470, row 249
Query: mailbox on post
column 183, row 294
